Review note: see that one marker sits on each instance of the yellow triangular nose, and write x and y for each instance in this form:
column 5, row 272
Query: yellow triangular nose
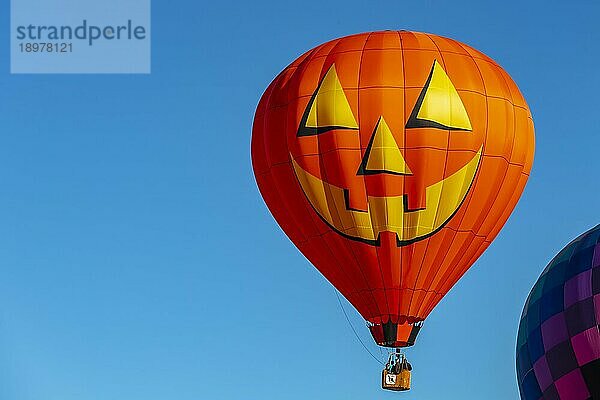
column 383, row 154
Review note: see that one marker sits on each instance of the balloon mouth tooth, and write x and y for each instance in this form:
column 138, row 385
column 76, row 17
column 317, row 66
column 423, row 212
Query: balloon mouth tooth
column 407, row 205
column 442, row 201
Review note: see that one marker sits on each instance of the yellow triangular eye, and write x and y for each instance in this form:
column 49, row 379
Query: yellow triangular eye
column 382, row 154
column 328, row 108
column 439, row 105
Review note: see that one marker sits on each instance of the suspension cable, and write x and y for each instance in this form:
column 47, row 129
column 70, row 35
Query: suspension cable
column 354, row 330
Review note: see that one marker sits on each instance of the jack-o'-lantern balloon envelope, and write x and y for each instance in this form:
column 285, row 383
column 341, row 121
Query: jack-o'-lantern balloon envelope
column 392, row 160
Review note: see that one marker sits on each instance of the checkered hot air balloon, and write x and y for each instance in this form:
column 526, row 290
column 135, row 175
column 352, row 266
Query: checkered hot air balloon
column 558, row 345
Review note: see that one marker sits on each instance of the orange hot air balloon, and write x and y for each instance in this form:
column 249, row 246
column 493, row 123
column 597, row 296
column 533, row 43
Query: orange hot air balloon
column 392, row 160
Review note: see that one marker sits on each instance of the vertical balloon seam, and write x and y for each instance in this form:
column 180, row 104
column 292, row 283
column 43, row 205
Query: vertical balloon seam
column 574, row 244
column 388, row 291
column 393, row 311
column 285, row 203
column 453, row 233
column 403, row 269
column 503, row 216
column 296, row 96
column 325, row 244
column 432, row 275
column 522, row 180
column 447, row 230
column 359, row 293
column 385, row 270
column 530, row 143
column 459, row 272
column 473, row 253
column 363, row 177
column 404, row 286
column 418, row 313
column 346, row 245
column 512, row 203
column 275, row 190
column 276, row 187
column 389, row 269
column 524, row 347
column 414, row 288
column 411, row 257
column 476, row 230
column 480, row 222
column 526, row 132
column 451, row 280
column 372, row 289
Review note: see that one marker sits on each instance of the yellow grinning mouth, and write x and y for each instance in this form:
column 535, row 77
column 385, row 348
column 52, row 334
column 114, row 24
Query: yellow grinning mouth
column 388, row 213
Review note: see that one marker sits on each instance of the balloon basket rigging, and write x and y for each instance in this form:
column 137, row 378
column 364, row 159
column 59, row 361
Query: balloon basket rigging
column 396, row 374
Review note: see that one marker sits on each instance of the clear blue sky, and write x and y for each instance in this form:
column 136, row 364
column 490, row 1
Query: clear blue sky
column 138, row 261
